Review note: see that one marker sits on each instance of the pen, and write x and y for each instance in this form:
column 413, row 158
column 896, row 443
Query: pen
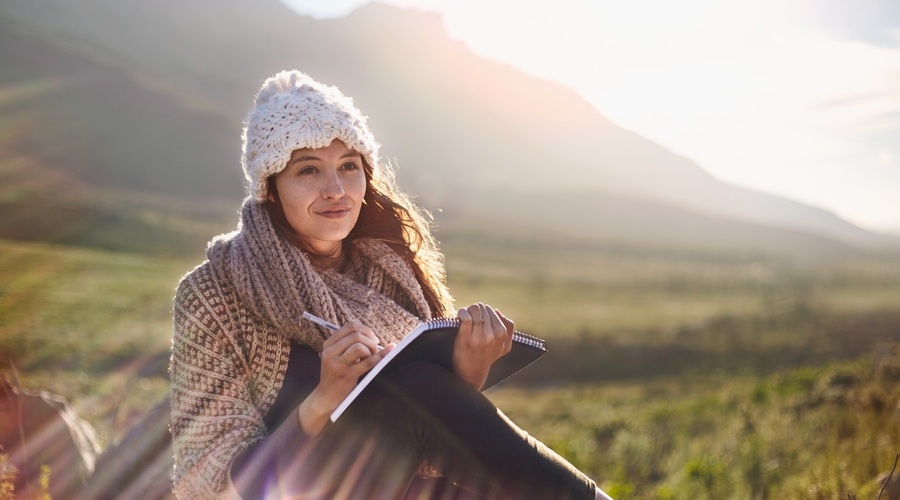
column 325, row 324
column 319, row 321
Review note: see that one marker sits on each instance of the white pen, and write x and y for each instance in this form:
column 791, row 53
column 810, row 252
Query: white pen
column 319, row 321
column 325, row 324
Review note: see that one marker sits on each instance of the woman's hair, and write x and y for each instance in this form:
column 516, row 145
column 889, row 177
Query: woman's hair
column 388, row 215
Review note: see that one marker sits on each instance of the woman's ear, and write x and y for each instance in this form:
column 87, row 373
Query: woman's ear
column 272, row 194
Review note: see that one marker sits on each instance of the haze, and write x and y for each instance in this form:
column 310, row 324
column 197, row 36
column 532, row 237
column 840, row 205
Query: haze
column 800, row 99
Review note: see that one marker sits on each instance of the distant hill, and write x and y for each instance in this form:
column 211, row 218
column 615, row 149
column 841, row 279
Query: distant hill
column 99, row 124
column 148, row 97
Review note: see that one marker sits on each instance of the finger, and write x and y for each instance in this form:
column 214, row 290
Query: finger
column 483, row 328
column 341, row 357
column 359, row 351
column 354, row 350
column 497, row 334
column 349, row 329
column 367, row 363
column 492, row 320
column 356, row 337
column 339, row 334
column 355, row 353
column 354, row 327
column 509, row 324
column 337, row 361
column 465, row 322
column 510, row 329
column 365, row 330
column 477, row 313
column 363, row 365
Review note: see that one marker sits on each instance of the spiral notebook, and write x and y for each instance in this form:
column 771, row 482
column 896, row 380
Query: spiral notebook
column 440, row 334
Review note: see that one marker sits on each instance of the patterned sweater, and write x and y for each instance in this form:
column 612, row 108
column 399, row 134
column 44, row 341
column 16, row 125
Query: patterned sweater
column 227, row 369
column 234, row 319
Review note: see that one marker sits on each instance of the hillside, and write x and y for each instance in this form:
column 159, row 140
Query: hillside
column 98, row 124
column 147, row 98
column 607, row 218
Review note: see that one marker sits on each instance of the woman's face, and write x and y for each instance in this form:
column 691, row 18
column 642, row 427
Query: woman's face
column 321, row 191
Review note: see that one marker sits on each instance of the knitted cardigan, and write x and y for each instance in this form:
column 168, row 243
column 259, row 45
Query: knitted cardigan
column 234, row 319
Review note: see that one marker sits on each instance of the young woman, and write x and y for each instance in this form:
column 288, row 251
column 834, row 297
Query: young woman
column 324, row 230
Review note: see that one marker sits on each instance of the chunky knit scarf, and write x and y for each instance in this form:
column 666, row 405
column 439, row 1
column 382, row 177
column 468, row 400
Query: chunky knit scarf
column 276, row 280
column 234, row 316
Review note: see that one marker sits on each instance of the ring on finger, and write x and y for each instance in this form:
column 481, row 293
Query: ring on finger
column 346, row 362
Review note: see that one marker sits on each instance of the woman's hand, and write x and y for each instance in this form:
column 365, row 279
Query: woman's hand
column 485, row 335
column 350, row 352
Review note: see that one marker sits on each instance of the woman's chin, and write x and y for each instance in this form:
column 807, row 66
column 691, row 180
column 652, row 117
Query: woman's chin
column 326, row 243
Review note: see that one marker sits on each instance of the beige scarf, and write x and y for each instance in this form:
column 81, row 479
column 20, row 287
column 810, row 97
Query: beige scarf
column 277, row 281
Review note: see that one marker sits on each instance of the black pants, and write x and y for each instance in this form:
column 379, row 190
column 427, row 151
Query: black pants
column 416, row 413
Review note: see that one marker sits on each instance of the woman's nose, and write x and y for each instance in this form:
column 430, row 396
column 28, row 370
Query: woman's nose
column 333, row 187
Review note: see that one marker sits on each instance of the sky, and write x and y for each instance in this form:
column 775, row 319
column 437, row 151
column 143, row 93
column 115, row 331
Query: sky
column 797, row 98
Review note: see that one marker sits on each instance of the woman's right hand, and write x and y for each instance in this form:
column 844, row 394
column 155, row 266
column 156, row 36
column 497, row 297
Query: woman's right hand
column 350, row 352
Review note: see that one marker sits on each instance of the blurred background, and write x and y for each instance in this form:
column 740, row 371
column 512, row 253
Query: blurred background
column 697, row 204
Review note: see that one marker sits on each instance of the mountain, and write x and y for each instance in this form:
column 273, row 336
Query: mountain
column 147, row 97
column 98, row 124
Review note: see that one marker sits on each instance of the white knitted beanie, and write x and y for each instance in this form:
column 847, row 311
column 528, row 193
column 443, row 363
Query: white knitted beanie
column 293, row 111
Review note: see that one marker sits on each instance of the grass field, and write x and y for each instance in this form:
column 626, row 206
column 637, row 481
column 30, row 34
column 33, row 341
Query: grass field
column 560, row 291
column 670, row 375
column 818, row 432
column 90, row 325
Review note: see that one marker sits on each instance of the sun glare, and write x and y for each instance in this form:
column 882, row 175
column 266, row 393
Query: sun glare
column 746, row 91
column 754, row 92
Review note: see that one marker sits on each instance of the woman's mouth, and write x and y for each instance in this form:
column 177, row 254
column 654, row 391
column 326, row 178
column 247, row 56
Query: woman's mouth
column 335, row 213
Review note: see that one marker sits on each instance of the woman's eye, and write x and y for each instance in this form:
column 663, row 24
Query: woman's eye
column 306, row 171
column 350, row 165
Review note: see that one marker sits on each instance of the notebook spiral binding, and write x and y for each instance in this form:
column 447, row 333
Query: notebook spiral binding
column 521, row 337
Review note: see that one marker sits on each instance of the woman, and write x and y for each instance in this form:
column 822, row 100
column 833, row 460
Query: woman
column 325, row 231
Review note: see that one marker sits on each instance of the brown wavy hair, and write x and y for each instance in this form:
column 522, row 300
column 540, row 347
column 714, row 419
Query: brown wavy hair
column 389, row 215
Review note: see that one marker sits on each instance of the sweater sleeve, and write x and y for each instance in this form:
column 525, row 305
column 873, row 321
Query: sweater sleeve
column 262, row 467
column 256, row 469
column 214, row 418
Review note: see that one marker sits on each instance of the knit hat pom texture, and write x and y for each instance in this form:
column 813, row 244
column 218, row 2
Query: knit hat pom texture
column 293, row 111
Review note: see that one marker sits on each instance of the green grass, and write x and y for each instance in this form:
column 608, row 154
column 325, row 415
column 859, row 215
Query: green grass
column 817, row 432
column 558, row 291
column 95, row 309
column 670, row 375
column 91, row 325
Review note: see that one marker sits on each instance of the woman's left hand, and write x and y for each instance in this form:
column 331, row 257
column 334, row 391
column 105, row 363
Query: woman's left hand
column 485, row 335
